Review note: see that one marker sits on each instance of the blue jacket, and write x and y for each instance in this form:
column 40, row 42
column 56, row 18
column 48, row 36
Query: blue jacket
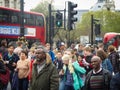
column 106, row 64
column 52, row 55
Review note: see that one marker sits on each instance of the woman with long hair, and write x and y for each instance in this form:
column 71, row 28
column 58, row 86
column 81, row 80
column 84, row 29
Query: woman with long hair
column 72, row 71
column 106, row 64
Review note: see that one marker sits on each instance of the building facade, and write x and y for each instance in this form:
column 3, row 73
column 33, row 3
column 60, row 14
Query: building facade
column 10, row 3
column 103, row 5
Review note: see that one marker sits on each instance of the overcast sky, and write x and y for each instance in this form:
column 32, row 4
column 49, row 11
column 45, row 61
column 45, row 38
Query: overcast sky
column 60, row 4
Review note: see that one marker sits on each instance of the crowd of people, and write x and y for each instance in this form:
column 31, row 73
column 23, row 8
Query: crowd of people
column 45, row 68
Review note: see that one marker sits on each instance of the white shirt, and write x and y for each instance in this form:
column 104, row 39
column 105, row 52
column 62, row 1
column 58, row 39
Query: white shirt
column 97, row 71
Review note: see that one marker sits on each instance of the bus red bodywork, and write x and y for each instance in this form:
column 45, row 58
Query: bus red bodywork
column 112, row 38
column 34, row 24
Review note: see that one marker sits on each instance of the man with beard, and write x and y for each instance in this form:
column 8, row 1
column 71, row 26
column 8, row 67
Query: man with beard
column 44, row 73
column 98, row 78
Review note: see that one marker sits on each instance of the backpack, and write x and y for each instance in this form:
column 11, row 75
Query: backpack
column 4, row 78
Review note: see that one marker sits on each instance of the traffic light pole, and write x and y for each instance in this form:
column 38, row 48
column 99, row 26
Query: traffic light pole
column 65, row 18
column 69, row 39
column 47, row 30
column 97, row 32
column 59, row 19
column 50, row 40
column 51, row 26
column 92, row 29
column 22, row 18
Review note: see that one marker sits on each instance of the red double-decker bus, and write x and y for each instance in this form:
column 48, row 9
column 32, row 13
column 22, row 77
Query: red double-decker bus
column 34, row 24
column 112, row 38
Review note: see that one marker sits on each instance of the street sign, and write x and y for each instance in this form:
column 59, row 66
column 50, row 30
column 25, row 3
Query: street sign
column 84, row 39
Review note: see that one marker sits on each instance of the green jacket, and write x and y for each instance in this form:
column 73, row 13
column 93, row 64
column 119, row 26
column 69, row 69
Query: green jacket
column 78, row 70
column 46, row 79
column 78, row 83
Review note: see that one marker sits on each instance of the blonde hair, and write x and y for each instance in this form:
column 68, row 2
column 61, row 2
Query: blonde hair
column 70, row 66
column 87, row 49
column 66, row 57
column 48, row 58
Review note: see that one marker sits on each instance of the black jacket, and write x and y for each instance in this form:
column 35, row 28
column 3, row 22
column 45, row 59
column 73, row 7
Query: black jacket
column 2, row 67
column 115, row 82
column 107, row 77
column 114, row 58
column 13, row 59
column 2, row 71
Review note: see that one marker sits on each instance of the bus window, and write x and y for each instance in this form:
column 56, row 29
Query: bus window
column 0, row 18
column 6, row 16
column 3, row 18
column 15, row 17
column 39, row 21
column 25, row 19
column 1, row 15
column 26, row 16
column 29, row 19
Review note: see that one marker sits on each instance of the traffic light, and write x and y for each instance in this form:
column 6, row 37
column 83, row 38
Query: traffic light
column 71, row 13
column 97, row 29
column 59, row 18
